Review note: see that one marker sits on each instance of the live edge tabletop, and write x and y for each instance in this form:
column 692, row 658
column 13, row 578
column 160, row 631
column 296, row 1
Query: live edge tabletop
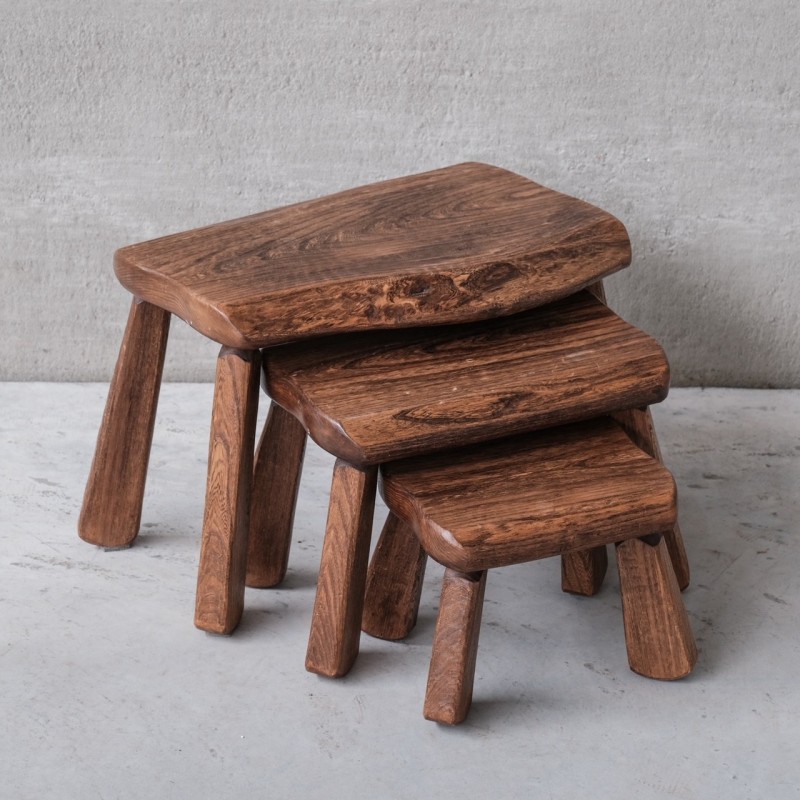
column 458, row 244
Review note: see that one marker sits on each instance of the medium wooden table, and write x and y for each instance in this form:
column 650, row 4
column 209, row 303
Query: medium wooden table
column 374, row 397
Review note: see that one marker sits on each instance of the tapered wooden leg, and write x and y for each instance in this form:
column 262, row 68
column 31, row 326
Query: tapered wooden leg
column 455, row 647
column 336, row 621
column 638, row 424
column 657, row 631
column 276, row 479
column 223, row 552
column 582, row 571
column 394, row 582
column 112, row 502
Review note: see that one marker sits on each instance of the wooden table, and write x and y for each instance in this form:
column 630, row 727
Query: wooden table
column 454, row 245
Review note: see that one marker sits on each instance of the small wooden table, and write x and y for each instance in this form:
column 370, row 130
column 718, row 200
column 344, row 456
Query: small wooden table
column 548, row 493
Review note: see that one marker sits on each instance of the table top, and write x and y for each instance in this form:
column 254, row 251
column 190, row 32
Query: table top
column 377, row 396
column 458, row 244
column 531, row 496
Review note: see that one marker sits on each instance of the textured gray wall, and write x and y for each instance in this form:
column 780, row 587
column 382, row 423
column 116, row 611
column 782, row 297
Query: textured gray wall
column 124, row 121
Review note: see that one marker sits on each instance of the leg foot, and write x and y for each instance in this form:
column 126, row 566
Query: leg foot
column 336, row 621
column 394, row 582
column 582, row 571
column 223, row 553
column 455, row 647
column 112, row 502
column 657, row 631
column 276, row 479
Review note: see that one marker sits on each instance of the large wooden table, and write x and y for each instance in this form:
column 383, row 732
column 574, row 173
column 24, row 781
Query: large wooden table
column 454, row 245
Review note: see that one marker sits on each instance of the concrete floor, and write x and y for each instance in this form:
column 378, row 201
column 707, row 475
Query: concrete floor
column 108, row 691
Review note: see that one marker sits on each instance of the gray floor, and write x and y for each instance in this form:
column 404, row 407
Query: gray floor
column 108, row 691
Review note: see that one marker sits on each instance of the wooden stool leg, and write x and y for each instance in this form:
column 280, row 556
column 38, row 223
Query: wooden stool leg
column 276, row 479
column 112, row 502
column 583, row 571
column 223, row 553
column 394, row 582
column 336, row 621
column 638, row 424
column 455, row 647
column 657, row 631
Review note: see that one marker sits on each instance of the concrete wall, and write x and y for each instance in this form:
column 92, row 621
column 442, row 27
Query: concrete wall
column 122, row 121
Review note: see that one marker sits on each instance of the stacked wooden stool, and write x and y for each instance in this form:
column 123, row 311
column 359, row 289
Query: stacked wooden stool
column 555, row 492
column 335, row 299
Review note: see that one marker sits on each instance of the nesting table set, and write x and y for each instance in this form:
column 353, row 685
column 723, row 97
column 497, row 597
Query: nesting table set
column 444, row 334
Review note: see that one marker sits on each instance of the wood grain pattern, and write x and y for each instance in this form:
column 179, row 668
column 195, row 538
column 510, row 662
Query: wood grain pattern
column 336, row 621
column 369, row 398
column 455, row 648
column 394, row 582
column 112, row 502
column 223, row 552
column 276, row 480
column 638, row 424
column 462, row 243
column 532, row 496
column 657, row 631
column 583, row 571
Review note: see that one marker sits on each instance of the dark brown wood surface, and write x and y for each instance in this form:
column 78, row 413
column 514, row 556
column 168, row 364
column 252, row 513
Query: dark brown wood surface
column 223, row 551
column 455, row 648
column 394, row 582
column 112, row 501
column 369, row 398
column 582, row 571
column 462, row 243
column 531, row 496
column 276, row 480
column 658, row 636
column 338, row 607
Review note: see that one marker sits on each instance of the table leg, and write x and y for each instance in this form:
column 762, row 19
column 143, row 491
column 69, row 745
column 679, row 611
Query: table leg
column 455, row 647
column 112, row 502
column 276, row 480
column 582, row 571
column 657, row 632
column 223, row 552
column 336, row 620
column 394, row 582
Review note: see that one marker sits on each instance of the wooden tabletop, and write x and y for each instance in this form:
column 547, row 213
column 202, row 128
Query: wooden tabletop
column 458, row 244
column 376, row 396
column 531, row 496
